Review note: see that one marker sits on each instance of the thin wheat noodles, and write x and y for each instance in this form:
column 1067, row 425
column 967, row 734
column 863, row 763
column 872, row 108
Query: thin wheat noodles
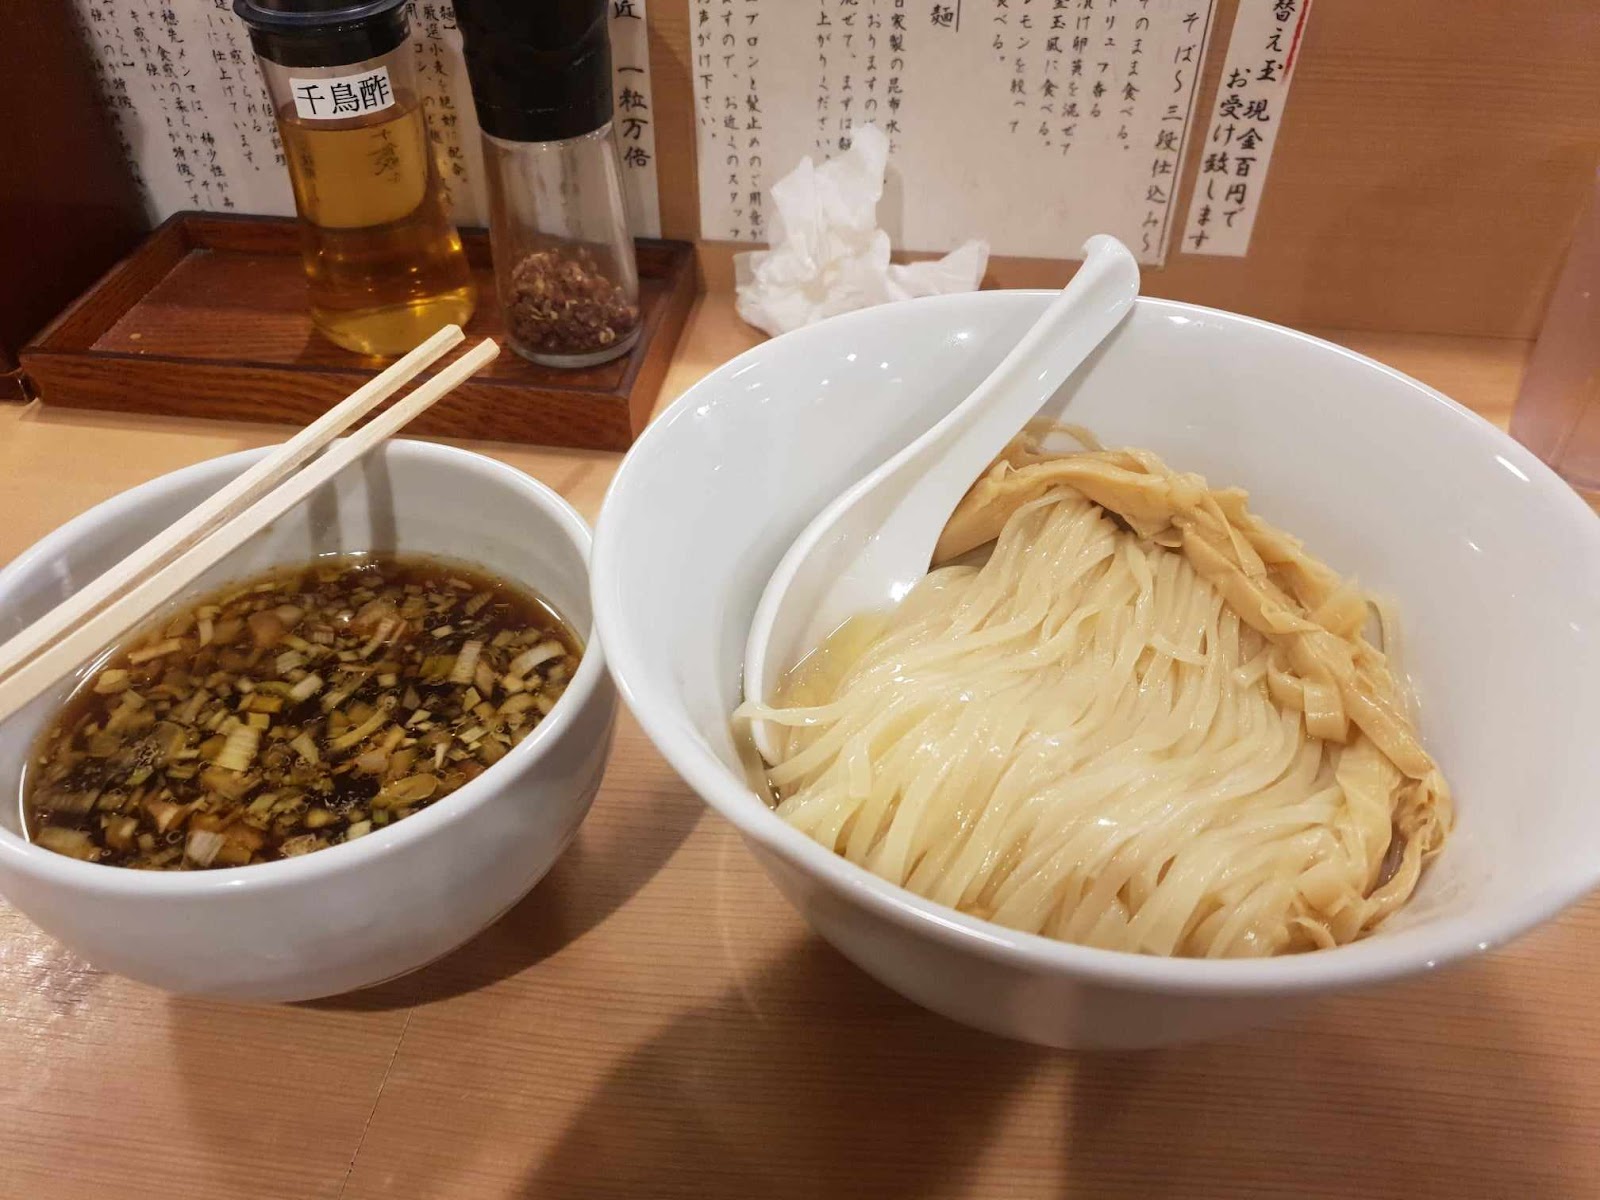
column 1148, row 722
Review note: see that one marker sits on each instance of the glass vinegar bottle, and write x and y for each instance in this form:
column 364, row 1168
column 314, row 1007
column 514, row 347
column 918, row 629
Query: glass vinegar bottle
column 384, row 265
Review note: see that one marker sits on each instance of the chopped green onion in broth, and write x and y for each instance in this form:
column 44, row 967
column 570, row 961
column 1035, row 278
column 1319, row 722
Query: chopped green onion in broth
column 294, row 711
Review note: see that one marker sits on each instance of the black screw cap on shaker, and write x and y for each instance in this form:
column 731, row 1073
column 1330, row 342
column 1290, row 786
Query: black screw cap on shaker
column 323, row 33
column 540, row 72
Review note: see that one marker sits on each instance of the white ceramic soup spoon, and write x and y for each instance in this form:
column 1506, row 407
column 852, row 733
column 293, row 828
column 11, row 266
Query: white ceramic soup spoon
column 865, row 550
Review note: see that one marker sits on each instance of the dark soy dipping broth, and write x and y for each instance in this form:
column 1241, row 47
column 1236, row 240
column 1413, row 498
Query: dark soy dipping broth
column 293, row 711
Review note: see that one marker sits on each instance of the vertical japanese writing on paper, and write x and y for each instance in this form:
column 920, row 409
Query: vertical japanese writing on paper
column 1249, row 112
column 1031, row 123
column 194, row 123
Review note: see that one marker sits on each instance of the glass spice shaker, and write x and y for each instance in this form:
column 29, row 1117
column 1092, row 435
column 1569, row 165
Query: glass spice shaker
column 563, row 257
column 384, row 265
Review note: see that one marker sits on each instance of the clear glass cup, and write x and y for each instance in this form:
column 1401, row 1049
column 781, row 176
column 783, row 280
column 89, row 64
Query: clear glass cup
column 564, row 262
column 1558, row 408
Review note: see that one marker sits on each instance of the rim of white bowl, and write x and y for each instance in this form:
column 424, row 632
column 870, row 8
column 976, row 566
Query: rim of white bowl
column 1369, row 961
column 22, row 855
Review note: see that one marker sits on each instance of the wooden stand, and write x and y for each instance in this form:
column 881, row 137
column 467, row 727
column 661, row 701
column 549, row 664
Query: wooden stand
column 208, row 318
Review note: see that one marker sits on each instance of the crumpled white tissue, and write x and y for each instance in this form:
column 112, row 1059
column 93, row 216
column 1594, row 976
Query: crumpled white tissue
column 827, row 254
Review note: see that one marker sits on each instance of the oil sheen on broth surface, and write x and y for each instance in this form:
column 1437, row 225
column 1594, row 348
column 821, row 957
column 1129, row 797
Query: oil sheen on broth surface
column 293, row 711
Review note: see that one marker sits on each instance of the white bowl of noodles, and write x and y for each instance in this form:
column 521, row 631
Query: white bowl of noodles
column 1492, row 564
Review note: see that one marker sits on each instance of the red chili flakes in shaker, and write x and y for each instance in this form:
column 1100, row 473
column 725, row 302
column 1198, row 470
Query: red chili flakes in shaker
column 561, row 303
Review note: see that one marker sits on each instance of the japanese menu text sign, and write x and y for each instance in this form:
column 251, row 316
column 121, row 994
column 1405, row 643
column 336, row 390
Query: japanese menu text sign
column 1249, row 112
column 1031, row 123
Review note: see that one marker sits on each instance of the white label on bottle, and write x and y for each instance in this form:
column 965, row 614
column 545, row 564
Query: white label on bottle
column 336, row 97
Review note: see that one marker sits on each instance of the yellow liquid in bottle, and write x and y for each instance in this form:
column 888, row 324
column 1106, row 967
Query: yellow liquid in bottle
column 385, row 266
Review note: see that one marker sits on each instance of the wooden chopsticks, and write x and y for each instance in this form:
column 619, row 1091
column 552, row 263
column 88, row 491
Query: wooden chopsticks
column 251, row 485
column 116, row 601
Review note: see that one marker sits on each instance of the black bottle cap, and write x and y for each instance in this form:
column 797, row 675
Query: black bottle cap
column 539, row 72
column 323, row 33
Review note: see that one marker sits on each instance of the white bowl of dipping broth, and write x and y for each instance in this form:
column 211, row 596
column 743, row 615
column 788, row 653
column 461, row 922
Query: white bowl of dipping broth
column 1494, row 562
column 352, row 914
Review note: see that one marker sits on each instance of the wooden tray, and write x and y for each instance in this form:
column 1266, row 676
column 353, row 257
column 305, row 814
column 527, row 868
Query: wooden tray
column 208, row 318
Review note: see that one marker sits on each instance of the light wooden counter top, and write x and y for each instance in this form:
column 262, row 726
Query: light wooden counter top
column 654, row 1021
